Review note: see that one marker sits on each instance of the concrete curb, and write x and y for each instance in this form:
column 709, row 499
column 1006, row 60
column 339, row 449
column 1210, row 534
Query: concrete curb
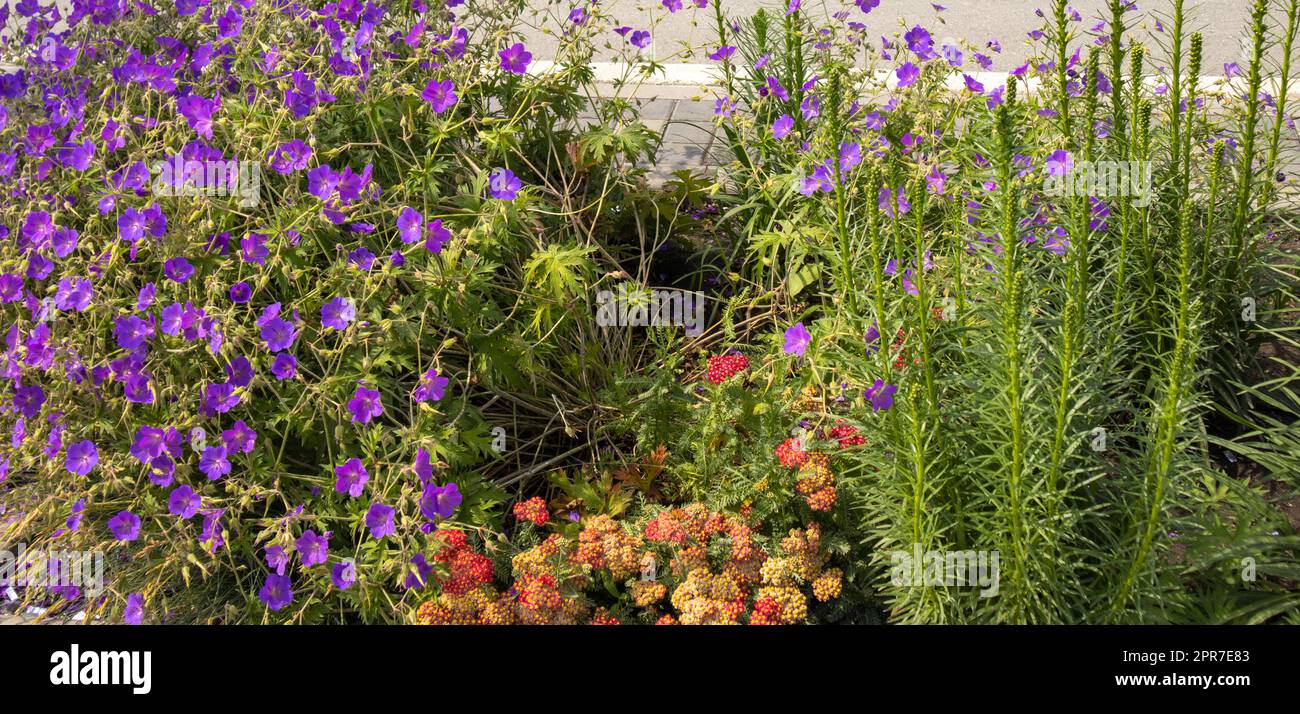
column 704, row 76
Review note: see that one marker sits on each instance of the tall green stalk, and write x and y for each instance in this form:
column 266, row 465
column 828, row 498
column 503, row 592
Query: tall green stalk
column 1071, row 336
column 1012, row 326
column 1118, row 113
column 1283, row 95
column 1176, row 97
column 1121, row 206
column 1061, row 41
column 1193, row 80
column 1169, row 425
column 1249, row 135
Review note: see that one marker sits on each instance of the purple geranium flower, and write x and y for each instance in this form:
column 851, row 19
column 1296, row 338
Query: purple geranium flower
column 134, row 612
column 515, row 58
column 240, row 372
column 352, row 477
column 212, row 532
column 441, row 96
column 64, row 241
column 503, row 184
column 73, row 523
column 423, row 466
column 954, row 55
column 362, row 257
column 252, row 248
column 723, row 53
column 797, row 339
column 184, row 502
column 892, row 206
column 213, row 463
column 145, row 297
column 284, row 367
column 11, row 287
column 230, row 24
column 936, row 180
column 148, row 444
column 379, row 519
column 440, row 501
column 198, row 112
column 178, row 269
column 279, row 334
column 436, row 236
column 290, row 156
column 277, row 591
column 131, row 332
column 322, row 181
column 82, row 457
column 410, row 224
column 337, row 313
column 919, row 41
column 431, row 388
column 277, row 559
column 850, row 156
column 125, row 526
column 1060, row 163
column 811, row 107
column 871, row 337
column 880, row 395
column 640, row 39
column 907, row 75
column 239, row 438
column 775, row 89
column 161, row 470
column 819, row 180
column 313, row 549
column 365, row 405
column 419, row 576
column 782, row 126
column 220, row 398
column 38, row 227
column 78, row 156
column 344, row 574
column 241, row 292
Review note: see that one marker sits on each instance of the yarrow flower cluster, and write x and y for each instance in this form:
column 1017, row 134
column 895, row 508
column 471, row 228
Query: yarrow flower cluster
column 724, row 367
column 847, row 435
column 816, row 482
column 559, row 580
column 790, row 453
column 802, row 560
column 533, row 511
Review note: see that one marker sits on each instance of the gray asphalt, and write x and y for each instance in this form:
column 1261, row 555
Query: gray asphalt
column 680, row 36
column 688, row 35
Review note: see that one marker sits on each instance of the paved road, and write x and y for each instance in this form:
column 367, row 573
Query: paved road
column 1223, row 22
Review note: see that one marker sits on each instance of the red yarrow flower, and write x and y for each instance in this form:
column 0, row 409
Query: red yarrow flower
column 848, row 435
column 723, row 367
column 533, row 510
column 791, row 453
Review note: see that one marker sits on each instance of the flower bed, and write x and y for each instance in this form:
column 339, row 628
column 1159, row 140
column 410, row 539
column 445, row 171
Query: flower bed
column 307, row 319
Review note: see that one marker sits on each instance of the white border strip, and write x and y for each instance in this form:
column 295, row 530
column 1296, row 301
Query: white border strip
column 706, row 75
